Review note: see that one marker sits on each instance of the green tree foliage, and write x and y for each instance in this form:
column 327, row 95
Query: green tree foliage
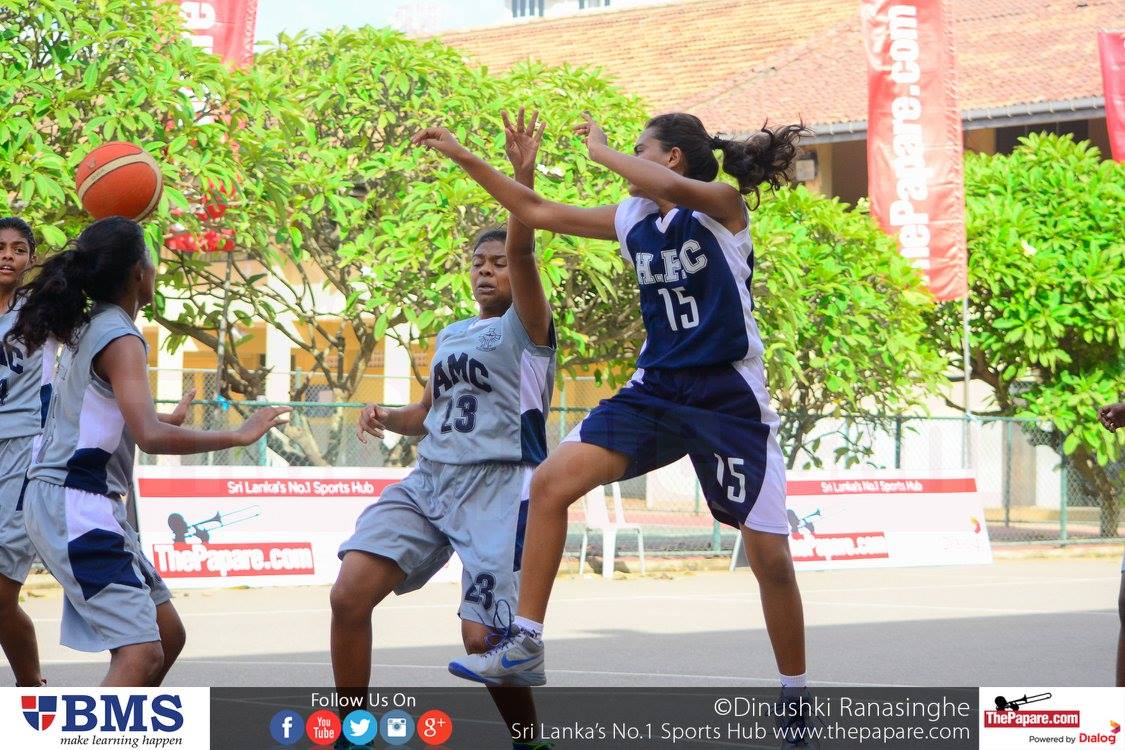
column 77, row 73
column 1047, row 301
column 377, row 234
column 844, row 320
column 343, row 231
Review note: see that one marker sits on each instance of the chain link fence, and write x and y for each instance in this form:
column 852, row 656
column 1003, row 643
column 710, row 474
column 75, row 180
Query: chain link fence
column 1029, row 495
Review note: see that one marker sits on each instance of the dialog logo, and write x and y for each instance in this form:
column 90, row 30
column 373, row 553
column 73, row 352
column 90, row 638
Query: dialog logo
column 39, row 710
column 287, row 727
column 360, row 727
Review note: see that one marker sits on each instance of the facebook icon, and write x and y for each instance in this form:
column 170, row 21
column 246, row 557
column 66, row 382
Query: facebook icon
column 287, row 727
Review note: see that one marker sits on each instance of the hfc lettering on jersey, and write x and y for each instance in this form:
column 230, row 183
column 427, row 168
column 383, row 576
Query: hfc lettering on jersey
column 678, row 264
column 459, row 368
column 12, row 358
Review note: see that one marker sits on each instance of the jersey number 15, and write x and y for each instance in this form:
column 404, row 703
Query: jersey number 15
column 689, row 319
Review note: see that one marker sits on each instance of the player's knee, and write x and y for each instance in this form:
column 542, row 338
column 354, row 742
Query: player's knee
column 545, row 492
column 348, row 601
column 9, row 607
column 146, row 660
column 174, row 639
column 772, row 567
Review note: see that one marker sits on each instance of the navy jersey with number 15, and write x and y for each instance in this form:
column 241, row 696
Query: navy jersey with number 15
column 694, row 277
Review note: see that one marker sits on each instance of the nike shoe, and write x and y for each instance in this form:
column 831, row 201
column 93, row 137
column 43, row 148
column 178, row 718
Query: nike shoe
column 516, row 660
column 797, row 727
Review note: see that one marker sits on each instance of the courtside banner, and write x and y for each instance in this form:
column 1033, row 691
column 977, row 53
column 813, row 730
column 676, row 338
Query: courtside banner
column 914, row 161
column 150, row 718
column 222, row 27
column 885, row 518
column 1111, row 48
column 205, row 526
column 1021, row 716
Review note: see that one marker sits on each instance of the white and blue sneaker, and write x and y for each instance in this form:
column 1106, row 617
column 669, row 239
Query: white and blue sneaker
column 515, row 661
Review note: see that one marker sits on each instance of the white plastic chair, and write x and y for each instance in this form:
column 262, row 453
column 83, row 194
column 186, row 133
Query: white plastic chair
column 597, row 520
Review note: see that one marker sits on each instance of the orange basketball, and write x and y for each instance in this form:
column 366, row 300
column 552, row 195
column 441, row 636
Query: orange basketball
column 119, row 179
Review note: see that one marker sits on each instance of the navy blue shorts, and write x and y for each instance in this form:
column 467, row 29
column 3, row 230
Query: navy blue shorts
column 719, row 416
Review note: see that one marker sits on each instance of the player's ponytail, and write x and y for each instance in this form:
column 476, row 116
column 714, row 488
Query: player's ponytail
column 95, row 267
column 764, row 158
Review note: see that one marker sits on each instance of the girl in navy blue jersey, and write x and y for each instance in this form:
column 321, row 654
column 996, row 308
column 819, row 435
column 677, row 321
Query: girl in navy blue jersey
column 699, row 389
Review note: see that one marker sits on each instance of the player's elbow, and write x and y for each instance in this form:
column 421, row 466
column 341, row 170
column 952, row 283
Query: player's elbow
column 151, row 438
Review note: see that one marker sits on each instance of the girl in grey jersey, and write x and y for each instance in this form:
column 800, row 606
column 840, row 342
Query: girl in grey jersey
column 21, row 377
column 482, row 417
column 101, row 407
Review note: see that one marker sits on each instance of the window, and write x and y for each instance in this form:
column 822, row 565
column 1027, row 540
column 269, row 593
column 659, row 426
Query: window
column 584, row 4
column 527, row 8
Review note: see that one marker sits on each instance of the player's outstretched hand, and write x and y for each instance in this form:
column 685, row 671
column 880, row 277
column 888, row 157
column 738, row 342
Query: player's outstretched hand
column 1112, row 416
column 371, row 422
column 261, row 422
column 522, row 140
column 179, row 414
column 438, row 139
column 591, row 132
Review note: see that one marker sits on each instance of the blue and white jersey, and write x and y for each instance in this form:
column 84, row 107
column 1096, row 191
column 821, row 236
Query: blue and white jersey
column 492, row 391
column 25, row 383
column 86, row 443
column 694, row 277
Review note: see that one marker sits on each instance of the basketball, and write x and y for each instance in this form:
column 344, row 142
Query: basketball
column 119, row 179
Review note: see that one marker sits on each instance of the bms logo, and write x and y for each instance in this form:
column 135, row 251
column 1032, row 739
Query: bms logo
column 105, row 713
column 39, row 710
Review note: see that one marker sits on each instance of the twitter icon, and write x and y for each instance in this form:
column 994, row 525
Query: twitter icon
column 360, row 727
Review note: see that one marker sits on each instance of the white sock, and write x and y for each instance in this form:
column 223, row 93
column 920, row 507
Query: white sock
column 529, row 626
column 793, row 681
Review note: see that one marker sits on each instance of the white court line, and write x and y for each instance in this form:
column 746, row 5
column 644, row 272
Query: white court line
column 717, row 597
column 730, row 678
column 947, row 608
column 770, row 681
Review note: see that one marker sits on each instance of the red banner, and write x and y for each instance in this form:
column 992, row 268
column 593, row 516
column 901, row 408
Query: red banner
column 224, row 27
column 914, row 160
column 1111, row 45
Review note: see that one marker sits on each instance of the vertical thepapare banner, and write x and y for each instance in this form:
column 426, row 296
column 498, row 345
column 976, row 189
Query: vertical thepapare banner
column 1111, row 45
column 224, row 27
column 914, row 159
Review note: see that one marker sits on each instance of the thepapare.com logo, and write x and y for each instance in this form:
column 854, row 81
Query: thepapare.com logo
column 76, row 714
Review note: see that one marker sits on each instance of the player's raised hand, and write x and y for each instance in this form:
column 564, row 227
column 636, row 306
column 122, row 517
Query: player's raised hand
column 439, row 139
column 522, row 139
column 591, row 132
column 261, row 422
column 179, row 414
column 371, row 422
column 1112, row 416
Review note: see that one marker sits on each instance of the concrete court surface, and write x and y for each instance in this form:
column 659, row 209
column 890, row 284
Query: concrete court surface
column 1017, row 622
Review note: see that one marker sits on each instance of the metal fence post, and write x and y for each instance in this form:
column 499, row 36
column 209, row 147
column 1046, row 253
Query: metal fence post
column 1007, row 472
column 1064, row 499
column 716, row 537
column 898, row 442
column 562, row 410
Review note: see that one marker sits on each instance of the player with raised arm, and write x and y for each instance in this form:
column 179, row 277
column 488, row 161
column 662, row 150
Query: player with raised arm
column 699, row 389
column 483, row 420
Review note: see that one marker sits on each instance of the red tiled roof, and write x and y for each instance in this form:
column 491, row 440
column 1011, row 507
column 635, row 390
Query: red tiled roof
column 735, row 63
column 662, row 53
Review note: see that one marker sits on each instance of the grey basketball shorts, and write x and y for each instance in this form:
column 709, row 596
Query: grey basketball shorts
column 477, row 510
column 111, row 588
column 16, row 552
